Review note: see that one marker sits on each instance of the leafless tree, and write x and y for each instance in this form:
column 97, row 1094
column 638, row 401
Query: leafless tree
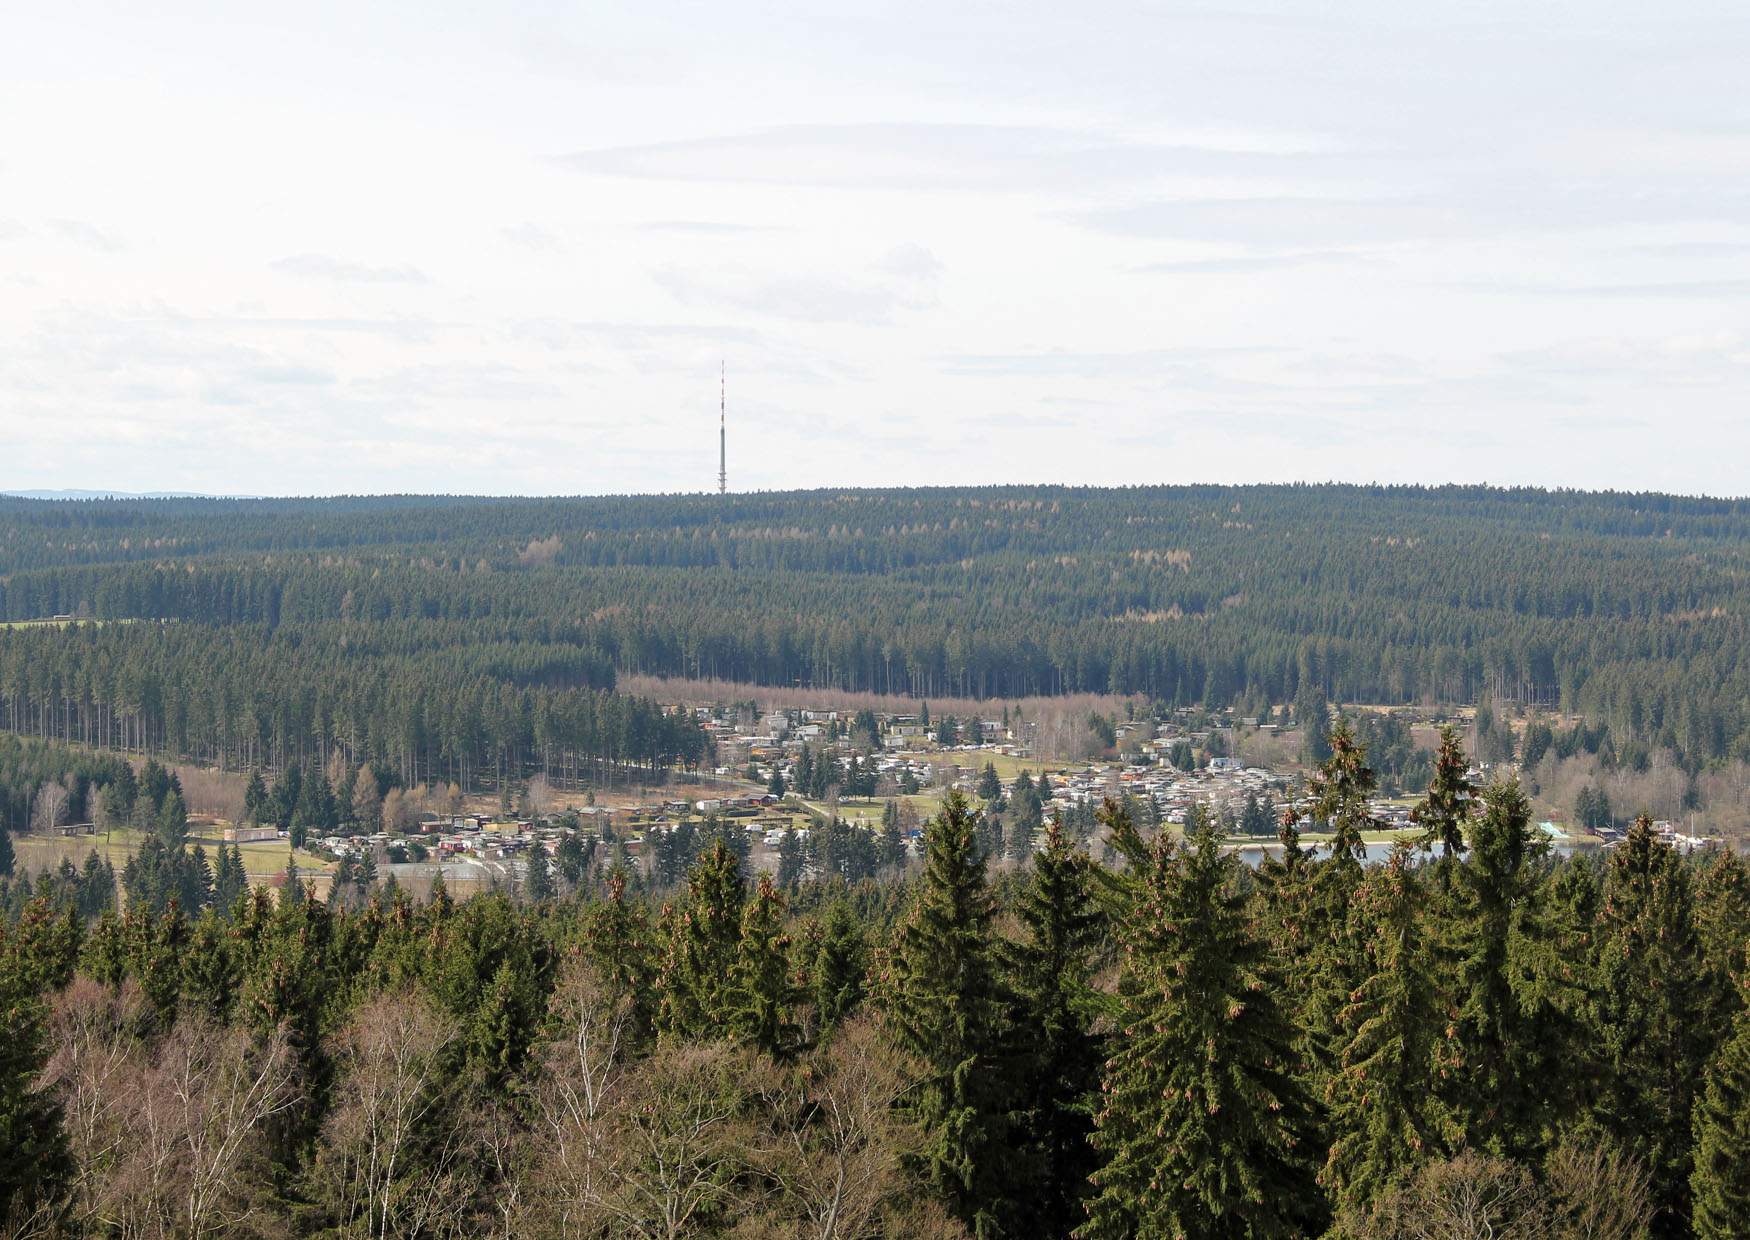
column 166, row 1139
column 50, row 807
column 539, row 795
column 833, row 1138
column 367, row 805
column 581, row 1068
column 209, row 791
column 1469, row 1197
column 96, row 1062
column 398, row 811
column 540, row 551
column 1601, row 1192
column 390, row 1160
column 667, row 1147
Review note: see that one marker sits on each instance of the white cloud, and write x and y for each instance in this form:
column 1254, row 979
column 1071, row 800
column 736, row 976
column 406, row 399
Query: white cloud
column 532, row 236
column 87, row 235
column 326, row 267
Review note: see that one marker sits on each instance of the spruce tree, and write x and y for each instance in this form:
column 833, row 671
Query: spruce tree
column 839, row 970
column 946, row 1007
column 1442, row 813
column 1051, row 968
column 619, row 945
column 706, row 935
column 1720, row 1183
column 763, row 994
column 890, row 850
column 1722, row 913
column 255, row 798
column 790, row 859
column 1493, row 1089
column 1332, row 966
column 1651, row 1013
column 538, row 882
column 1204, row 1130
column 1383, row 1120
column 1340, row 790
column 990, row 788
column 35, row 1162
column 210, row 972
column 8, row 858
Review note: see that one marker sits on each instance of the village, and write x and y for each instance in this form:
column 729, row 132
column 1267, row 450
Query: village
column 766, row 784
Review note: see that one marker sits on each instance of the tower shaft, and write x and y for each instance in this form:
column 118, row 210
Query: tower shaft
column 722, row 432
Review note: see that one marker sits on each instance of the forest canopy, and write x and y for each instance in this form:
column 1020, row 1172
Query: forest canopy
column 1628, row 608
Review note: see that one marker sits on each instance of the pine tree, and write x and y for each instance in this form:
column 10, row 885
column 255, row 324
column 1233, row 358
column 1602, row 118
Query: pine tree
column 763, row 994
column 1383, row 1121
column 1204, row 1130
column 1051, row 967
column 8, row 858
column 775, row 785
column 1720, row 1183
column 946, row 1007
column 1651, row 1014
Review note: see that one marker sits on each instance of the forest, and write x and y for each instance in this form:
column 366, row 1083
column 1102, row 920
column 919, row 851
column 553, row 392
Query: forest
column 443, row 637
column 1475, row 1039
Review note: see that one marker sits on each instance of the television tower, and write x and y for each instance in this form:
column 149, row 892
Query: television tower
column 722, row 432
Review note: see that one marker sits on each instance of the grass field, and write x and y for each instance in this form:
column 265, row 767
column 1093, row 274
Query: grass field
column 868, row 813
column 260, row 860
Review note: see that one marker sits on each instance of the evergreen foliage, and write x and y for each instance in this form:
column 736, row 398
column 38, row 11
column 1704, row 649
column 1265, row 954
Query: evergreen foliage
column 947, row 1007
column 1204, row 1128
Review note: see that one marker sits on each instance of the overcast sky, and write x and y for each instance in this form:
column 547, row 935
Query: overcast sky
column 320, row 247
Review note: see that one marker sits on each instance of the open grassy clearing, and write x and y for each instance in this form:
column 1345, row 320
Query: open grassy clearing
column 261, row 860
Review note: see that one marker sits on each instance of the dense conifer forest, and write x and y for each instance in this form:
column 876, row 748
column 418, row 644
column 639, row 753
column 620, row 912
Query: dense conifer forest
column 442, row 636
column 1474, row 1039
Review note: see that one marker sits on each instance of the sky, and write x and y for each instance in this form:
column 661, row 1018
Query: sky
column 354, row 247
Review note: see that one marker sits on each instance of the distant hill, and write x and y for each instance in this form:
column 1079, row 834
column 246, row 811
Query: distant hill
column 78, row 494
column 1633, row 609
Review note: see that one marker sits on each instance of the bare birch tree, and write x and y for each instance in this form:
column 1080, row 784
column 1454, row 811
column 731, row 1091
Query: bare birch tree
column 166, row 1139
column 390, row 1160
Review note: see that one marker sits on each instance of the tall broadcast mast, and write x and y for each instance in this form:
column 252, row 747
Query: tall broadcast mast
column 722, row 431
